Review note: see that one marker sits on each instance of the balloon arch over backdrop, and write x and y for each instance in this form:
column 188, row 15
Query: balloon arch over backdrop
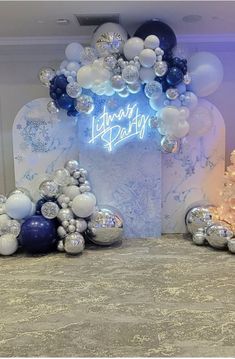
column 158, row 91
column 116, row 64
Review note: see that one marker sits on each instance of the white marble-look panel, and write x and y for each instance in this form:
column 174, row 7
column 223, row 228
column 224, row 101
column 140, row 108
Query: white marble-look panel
column 41, row 143
column 129, row 177
column 194, row 175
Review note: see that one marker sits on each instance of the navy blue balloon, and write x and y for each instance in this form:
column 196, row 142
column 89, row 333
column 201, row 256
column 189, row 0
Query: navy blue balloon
column 40, row 203
column 165, row 85
column 65, row 101
column 156, row 27
column 174, row 76
column 38, row 234
column 61, row 82
column 53, row 95
column 59, row 92
column 180, row 63
column 72, row 112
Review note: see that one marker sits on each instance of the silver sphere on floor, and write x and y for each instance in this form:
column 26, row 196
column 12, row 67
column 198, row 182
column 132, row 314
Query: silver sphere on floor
column 218, row 234
column 106, row 226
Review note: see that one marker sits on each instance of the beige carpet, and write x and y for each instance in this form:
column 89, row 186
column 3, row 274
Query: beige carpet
column 155, row 297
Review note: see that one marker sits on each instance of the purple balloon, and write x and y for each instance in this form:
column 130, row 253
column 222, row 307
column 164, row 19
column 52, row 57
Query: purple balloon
column 38, row 234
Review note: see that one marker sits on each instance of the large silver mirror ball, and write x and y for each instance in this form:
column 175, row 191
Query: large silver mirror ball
column 105, row 226
column 199, row 217
column 218, row 234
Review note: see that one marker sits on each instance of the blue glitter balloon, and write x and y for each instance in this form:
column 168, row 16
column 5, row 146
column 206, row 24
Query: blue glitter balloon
column 38, row 234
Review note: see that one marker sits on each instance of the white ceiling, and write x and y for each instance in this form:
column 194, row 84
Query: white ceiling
column 38, row 18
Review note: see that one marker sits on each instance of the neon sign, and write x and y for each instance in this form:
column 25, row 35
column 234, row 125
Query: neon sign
column 116, row 128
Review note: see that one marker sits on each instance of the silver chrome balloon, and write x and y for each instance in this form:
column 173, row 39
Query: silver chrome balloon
column 199, row 237
column 60, row 246
column 61, row 232
column 169, row 144
column 106, row 226
column 160, row 68
column 231, row 245
column 199, row 217
column 65, row 214
column 45, row 75
column 52, row 108
column 74, row 243
column 72, row 166
column 62, row 177
column 172, row 93
column 49, row 189
column 73, row 89
column 85, row 104
column 218, row 234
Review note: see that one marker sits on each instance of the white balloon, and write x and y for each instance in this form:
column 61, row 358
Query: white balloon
column 4, row 218
column 146, row 75
column 73, row 51
column 83, row 205
column 18, row 206
column 147, row 58
column 206, row 71
column 201, row 120
column 85, row 76
column 73, row 66
column 181, row 130
column 172, row 123
column 133, row 47
column 151, row 42
column 63, row 64
column 71, row 191
column 190, row 100
column 8, row 244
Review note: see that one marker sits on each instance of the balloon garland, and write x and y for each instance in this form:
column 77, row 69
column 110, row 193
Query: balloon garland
column 64, row 218
column 116, row 64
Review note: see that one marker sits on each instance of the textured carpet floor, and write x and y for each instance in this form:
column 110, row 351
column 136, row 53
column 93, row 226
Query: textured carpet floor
column 155, row 297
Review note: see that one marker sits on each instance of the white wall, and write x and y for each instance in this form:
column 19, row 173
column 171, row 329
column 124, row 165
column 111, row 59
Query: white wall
column 19, row 67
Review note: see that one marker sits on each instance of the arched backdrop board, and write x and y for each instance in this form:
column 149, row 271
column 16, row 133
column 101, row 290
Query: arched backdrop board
column 150, row 189
column 194, row 175
column 128, row 178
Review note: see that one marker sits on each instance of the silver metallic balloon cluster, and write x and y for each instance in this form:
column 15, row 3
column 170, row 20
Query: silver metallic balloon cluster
column 203, row 224
column 76, row 211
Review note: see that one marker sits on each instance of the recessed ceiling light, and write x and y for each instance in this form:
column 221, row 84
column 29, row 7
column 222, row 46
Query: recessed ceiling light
column 192, row 18
column 62, row 21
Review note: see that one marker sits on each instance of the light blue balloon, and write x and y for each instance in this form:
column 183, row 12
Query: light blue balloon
column 157, row 103
column 190, row 100
column 206, row 71
column 176, row 103
column 181, row 88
